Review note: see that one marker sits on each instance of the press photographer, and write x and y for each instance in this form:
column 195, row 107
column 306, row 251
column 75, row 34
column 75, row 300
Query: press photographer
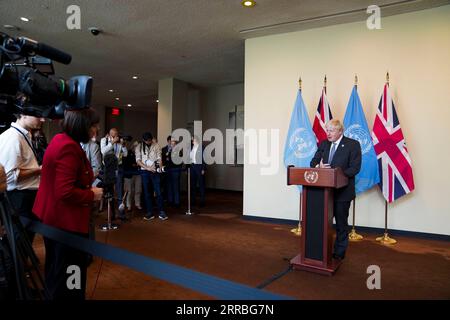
column 148, row 157
column 113, row 144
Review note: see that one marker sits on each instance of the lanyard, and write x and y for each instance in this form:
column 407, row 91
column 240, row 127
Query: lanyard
column 28, row 142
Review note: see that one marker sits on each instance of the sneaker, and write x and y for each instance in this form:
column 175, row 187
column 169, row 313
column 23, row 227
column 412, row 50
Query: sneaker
column 149, row 218
column 163, row 216
column 139, row 207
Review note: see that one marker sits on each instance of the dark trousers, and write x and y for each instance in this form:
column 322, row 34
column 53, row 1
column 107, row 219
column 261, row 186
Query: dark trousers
column 197, row 177
column 58, row 257
column 154, row 178
column 341, row 215
column 22, row 202
column 119, row 184
column 173, row 185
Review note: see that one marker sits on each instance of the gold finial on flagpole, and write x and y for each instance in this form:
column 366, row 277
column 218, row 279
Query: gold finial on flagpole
column 387, row 77
column 300, row 83
column 356, row 80
column 325, row 82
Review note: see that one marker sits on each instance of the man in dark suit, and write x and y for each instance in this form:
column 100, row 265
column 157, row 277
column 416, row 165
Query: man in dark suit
column 198, row 169
column 345, row 153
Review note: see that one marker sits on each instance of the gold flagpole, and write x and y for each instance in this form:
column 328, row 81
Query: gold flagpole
column 325, row 83
column 353, row 236
column 298, row 231
column 385, row 239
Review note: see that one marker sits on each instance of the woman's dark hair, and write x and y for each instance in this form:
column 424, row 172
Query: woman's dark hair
column 76, row 123
column 147, row 136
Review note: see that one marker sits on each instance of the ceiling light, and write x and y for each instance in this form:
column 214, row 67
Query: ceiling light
column 111, row 90
column 129, row 105
column 24, row 19
column 10, row 27
column 117, row 99
column 248, row 3
column 157, row 100
column 135, row 77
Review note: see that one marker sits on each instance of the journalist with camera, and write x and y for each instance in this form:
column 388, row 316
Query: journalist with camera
column 65, row 198
column 148, row 157
column 60, row 189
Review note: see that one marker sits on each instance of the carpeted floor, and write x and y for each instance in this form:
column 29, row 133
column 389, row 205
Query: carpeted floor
column 216, row 240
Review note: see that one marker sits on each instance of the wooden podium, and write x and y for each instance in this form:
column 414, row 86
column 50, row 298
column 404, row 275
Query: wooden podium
column 316, row 243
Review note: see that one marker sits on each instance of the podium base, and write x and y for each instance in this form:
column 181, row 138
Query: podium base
column 327, row 271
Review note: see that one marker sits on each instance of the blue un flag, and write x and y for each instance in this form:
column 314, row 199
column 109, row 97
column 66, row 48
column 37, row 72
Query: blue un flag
column 300, row 143
column 355, row 125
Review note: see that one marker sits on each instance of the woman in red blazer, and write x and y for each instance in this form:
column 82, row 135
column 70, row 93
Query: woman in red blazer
column 65, row 198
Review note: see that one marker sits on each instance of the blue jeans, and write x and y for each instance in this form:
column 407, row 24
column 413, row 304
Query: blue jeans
column 173, row 185
column 155, row 179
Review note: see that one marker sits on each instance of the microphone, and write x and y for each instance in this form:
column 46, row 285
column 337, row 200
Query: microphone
column 31, row 47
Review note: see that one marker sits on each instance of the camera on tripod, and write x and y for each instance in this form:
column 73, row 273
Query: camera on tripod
column 26, row 83
column 27, row 87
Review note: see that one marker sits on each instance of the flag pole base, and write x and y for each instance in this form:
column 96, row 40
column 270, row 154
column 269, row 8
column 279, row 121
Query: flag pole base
column 297, row 231
column 385, row 239
column 353, row 236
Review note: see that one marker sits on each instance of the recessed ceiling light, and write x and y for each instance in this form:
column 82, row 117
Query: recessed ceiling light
column 117, row 99
column 24, row 19
column 10, row 27
column 129, row 105
column 157, row 100
column 111, row 90
column 248, row 3
column 135, row 77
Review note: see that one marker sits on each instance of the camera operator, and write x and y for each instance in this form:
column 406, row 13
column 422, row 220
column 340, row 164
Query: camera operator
column 148, row 157
column 65, row 197
column 20, row 162
column 112, row 143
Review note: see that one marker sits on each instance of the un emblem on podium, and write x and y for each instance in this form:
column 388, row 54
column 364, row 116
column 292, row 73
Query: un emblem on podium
column 311, row 176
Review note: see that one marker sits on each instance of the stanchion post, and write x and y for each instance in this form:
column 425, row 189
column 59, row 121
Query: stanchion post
column 188, row 212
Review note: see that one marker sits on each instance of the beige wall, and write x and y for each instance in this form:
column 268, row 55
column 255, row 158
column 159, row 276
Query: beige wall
column 415, row 49
column 217, row 103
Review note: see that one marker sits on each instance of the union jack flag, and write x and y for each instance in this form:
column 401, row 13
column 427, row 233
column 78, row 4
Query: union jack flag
column 394, row 163
column 323, row 115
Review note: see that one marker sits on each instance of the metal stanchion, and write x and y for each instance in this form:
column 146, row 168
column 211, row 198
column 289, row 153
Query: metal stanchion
column 385, row 239
column 353, row 236
column 188, row 212
column 109, row 225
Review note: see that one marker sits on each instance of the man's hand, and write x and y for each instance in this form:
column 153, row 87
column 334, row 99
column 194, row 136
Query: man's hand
column 324, row 165
column 98, row 193
column 115, row 139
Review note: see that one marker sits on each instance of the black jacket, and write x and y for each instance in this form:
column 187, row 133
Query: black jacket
column 348, row 158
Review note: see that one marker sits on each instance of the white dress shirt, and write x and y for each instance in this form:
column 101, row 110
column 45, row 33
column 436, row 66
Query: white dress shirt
column 17, row 154
column 193, row 154
column 108, row 147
